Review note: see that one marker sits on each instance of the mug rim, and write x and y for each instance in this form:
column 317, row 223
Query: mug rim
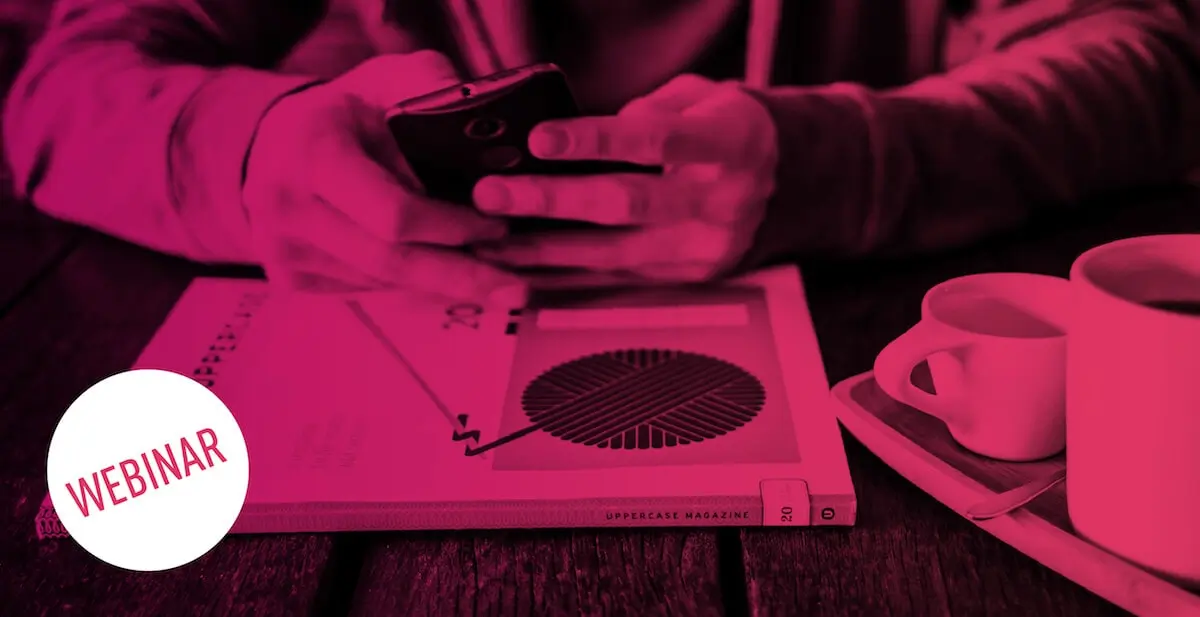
column 1079, row 266
column 927, row 311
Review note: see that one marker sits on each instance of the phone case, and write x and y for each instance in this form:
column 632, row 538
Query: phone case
column 482, row 131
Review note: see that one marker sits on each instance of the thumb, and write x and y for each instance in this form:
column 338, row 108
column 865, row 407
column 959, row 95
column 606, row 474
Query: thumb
column 673, row 97
column 386, row 80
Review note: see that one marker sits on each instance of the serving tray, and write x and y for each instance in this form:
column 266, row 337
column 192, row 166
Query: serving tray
column 920, row 448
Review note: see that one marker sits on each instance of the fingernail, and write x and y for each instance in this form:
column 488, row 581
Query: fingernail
column 548, row 141
column 511, row 296
column 492, row 196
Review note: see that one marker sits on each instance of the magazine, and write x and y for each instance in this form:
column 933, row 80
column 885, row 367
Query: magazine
column 705, row 406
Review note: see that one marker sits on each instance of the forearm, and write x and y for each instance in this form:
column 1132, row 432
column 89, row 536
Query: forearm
column 1110, row 98
column 108, row 129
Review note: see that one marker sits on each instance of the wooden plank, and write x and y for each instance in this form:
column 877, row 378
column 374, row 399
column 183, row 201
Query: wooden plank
column 909, row 555
column 86, row 320
column 546, row 572
column 30, row 246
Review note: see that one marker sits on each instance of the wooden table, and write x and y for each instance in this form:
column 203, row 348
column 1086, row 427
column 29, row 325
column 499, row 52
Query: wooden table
column 76, row 307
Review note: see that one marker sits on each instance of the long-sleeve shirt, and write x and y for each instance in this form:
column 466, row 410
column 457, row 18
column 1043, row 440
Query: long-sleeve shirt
column 135, row 117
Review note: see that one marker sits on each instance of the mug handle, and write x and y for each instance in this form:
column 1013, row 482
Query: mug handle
column 894, row 365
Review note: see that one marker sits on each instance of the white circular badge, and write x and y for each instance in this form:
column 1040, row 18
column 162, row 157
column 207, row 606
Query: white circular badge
column 148, row 470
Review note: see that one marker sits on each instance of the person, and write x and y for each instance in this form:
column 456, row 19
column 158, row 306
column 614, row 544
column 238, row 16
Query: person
column 252, row 131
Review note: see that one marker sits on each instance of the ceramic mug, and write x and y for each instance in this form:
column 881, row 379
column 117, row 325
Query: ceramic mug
column 996, row 348
column 1133, row 402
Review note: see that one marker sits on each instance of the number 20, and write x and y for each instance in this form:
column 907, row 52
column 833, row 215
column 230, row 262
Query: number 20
column 785, row 514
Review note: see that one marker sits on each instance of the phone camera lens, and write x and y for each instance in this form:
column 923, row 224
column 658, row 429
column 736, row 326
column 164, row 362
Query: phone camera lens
column 484, row 128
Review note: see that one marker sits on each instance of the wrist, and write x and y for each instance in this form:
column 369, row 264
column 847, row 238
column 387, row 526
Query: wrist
column 269, row 113
column 207, row 154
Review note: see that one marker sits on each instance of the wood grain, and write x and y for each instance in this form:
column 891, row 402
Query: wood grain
column 559, row 572
column 30, row 247
column 908, row 555
column 85, row 320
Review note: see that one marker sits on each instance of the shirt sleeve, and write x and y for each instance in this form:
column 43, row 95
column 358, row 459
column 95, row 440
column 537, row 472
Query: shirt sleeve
column 1103, row 97
column 134, row 117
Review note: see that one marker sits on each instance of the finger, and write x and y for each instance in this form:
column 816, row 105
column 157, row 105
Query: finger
column 300, row 266
column 646, row 276
column 673, row 97
column 386, row 80
column 608, row 250
column 688, row 272
column 374, row 198
column 343, row 252
column 610, row 199
column 579, row 280
column 314, row 283
column 457, row 276
column 652, row 139
column 426, row 270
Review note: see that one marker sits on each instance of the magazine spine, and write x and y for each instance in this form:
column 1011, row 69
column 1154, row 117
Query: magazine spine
column 830, row 510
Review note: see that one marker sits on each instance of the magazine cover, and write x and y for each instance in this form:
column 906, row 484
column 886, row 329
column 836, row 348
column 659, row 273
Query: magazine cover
column 638, row 407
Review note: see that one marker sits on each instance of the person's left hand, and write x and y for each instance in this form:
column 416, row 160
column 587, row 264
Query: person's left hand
column 718, row 149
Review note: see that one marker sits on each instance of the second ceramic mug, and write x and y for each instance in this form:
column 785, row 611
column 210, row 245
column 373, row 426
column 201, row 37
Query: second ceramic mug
column 996, row 347
column 1133, row 404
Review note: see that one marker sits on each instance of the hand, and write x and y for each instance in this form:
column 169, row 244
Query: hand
column 334, row 207
column 718, row 148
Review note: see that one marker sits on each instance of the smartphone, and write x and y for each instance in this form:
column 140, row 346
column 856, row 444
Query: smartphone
column 454, row 137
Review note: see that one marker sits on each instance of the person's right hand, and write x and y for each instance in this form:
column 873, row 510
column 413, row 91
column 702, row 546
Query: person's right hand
column 334, row 208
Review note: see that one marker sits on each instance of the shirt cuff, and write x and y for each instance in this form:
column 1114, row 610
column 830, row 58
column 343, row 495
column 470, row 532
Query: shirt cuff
column 207, row 155
column 824, row 182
